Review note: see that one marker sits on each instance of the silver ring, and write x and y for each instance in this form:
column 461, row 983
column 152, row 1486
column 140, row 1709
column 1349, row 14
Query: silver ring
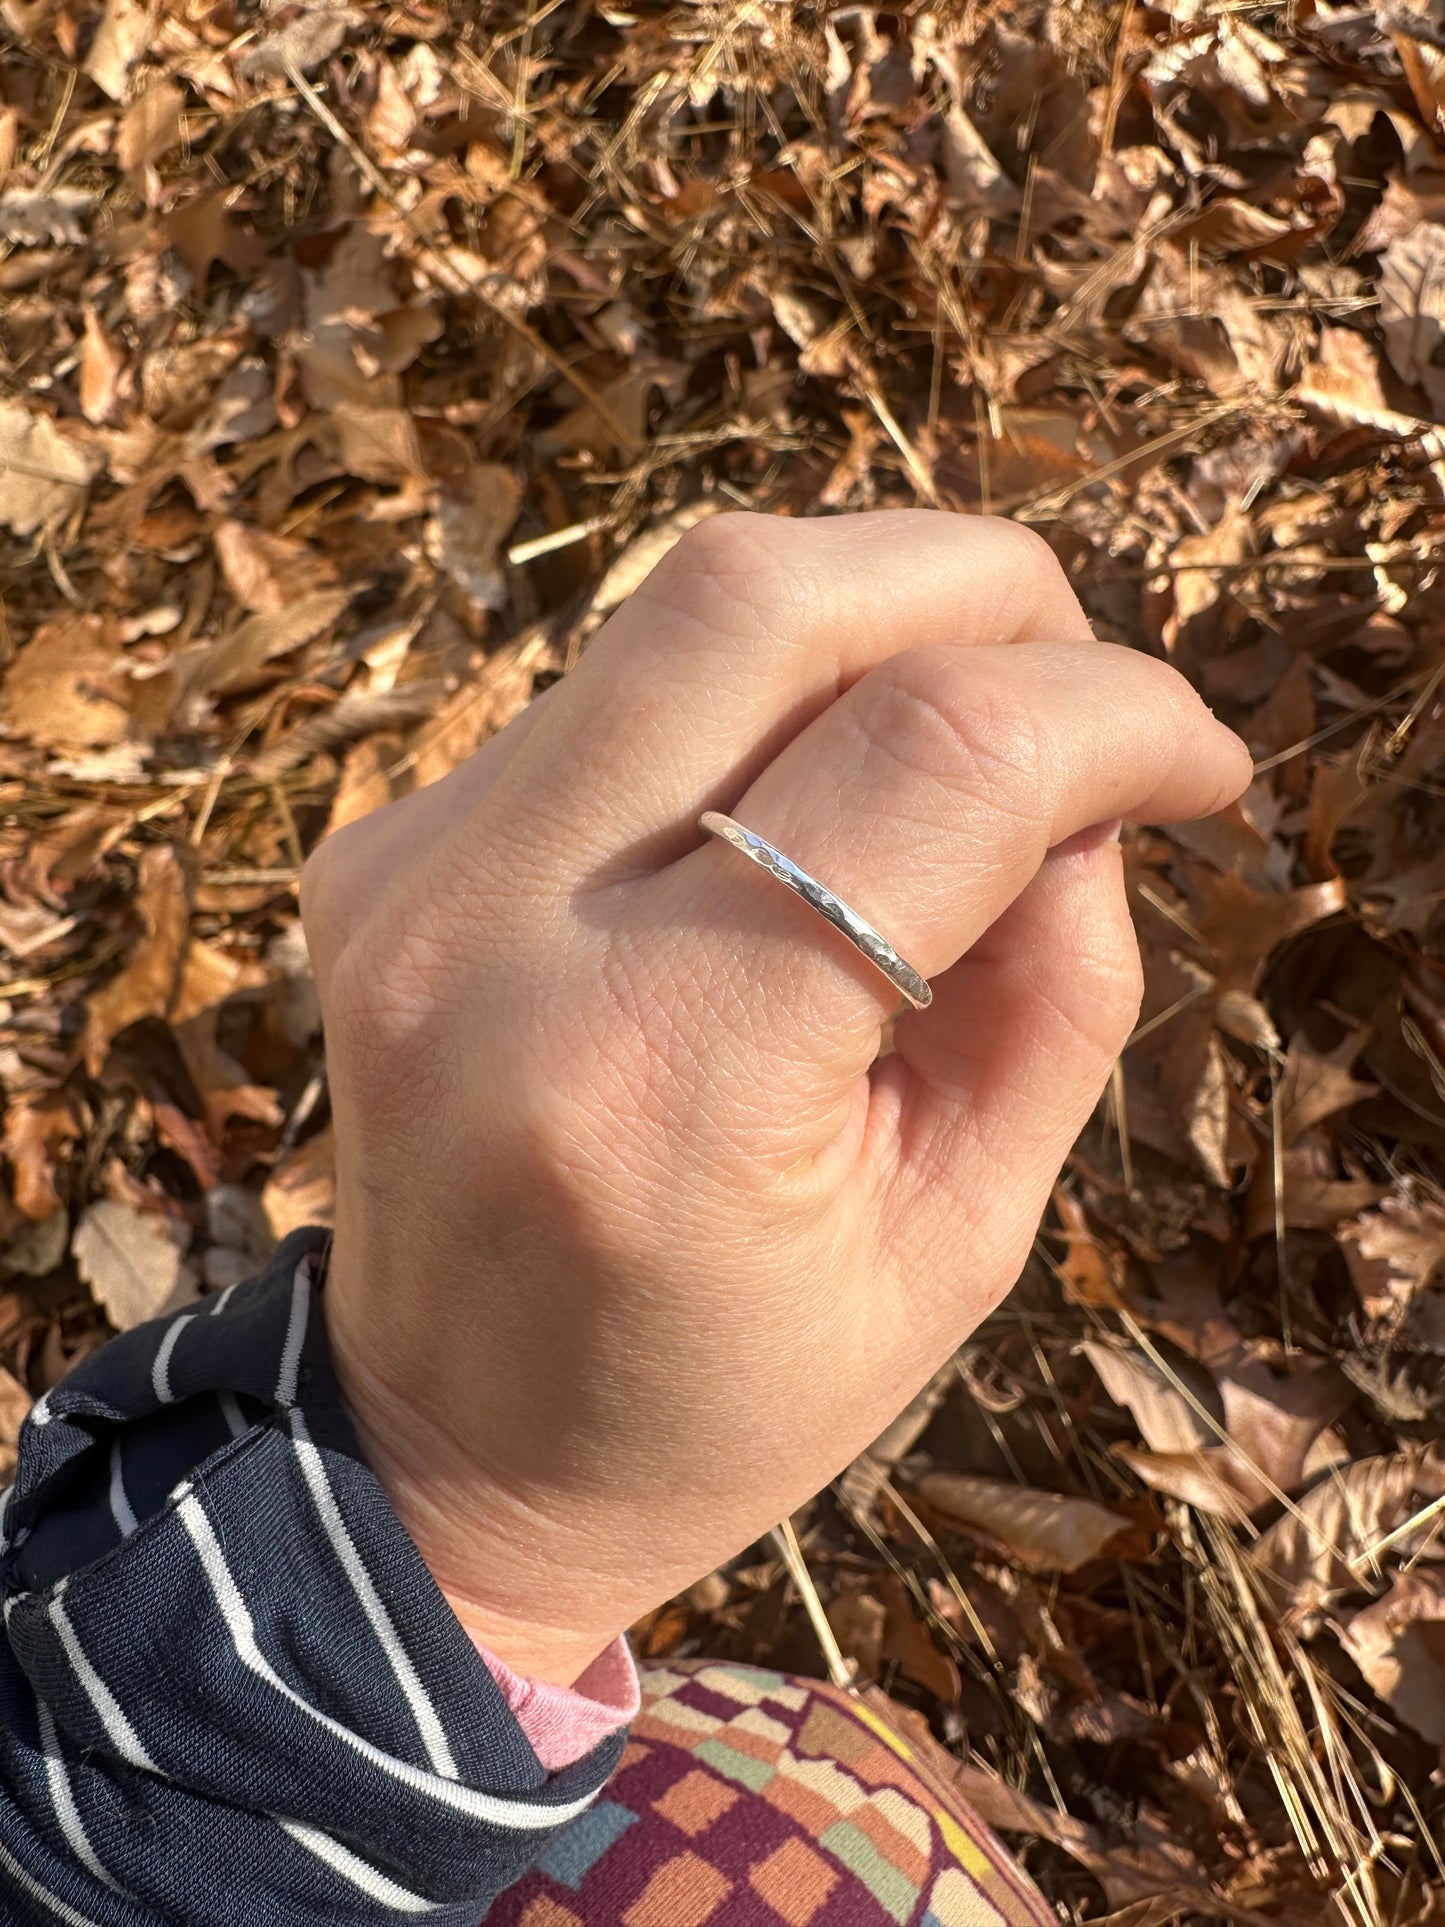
column 874, row 945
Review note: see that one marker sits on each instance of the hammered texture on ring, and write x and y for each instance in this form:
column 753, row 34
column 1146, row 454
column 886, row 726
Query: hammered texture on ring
column 874, row 945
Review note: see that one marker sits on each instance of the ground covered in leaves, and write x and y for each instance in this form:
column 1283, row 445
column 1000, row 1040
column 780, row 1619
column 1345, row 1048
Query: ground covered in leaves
column 357, row 362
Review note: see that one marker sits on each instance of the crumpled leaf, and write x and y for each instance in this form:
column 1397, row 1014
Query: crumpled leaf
column 133, row 1261
column 1319, row 1550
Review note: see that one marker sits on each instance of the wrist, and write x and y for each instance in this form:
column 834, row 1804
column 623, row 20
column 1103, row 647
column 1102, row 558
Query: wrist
column 496, row 1558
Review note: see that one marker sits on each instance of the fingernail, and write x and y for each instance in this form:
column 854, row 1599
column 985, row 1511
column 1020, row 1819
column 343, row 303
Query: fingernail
column 1094, row 838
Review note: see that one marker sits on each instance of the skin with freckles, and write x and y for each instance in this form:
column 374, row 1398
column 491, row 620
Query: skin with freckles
column 639, row 1239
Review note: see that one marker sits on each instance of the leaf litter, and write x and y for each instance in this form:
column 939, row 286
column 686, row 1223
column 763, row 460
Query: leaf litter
column 355, row 367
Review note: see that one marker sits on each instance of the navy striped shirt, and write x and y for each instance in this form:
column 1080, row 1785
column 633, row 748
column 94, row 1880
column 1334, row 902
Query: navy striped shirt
column 232, row 1692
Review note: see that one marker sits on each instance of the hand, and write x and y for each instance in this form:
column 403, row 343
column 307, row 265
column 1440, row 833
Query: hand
column 639, row 1239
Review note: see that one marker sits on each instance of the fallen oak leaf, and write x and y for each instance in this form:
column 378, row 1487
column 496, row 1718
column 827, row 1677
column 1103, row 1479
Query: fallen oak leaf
column 1318, row 1084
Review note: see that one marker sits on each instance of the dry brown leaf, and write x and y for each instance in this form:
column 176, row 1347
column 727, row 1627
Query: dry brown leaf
column 1412, row 308
column 1318, row 1084
column 1399, row 1646
column 66, row 687
column 234, row 661
column 1395, row 1252
column 266, row 572
column 1211, row 1477
column 472, row 520
column 122, row 37
column 101, row 367
column 38, row 1132
column 1308, row 1555
column 1089, row 1271
column 133, row 1261
column 1167, row 1421
column 147, row 986
column 302, row 1188
column 1244, row 926
column 43, row 474
column 1044, row 1531
column 150, row 126
column 908, row 1644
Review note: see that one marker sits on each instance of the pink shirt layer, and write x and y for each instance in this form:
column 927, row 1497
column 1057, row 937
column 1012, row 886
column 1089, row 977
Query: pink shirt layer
column 565, row 1722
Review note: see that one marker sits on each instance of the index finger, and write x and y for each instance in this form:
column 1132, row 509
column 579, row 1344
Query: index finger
column 743, row 635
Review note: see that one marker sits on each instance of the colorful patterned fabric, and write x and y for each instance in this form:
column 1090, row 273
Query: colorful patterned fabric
column 748, row 1799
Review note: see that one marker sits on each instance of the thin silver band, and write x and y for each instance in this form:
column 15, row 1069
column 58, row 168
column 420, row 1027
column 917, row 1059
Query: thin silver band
column 874, row 945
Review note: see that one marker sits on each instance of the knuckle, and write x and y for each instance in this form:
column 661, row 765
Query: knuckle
column 933, row 714
column 1028, row 551
column 735, row 557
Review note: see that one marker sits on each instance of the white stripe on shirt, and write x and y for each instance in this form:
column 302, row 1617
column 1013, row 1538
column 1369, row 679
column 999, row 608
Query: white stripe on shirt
column 295, row 1334
column 161, row 1370
column 120, row 1506
column 118, row 1729
column 423, row 1712
column 70, row 1918
column 520, row 1815
column 63, row 1800
column 372, row 1882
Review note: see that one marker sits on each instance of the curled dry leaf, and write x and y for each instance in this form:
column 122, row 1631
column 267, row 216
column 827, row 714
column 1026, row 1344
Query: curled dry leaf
column 1399, row 1646
column 133, row 1261
column 1043, row 1531
column 1322, row 1548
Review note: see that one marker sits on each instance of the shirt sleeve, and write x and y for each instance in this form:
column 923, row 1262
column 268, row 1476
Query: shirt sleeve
column 232, row 1690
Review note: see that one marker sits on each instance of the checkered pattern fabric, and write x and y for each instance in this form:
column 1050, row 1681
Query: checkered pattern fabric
column 747, row 1799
